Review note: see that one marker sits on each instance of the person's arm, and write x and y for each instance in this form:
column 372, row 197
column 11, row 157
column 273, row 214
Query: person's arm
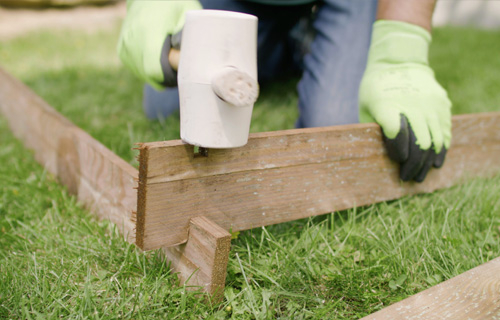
column 417, row 12
column 149, row 32
column 399, row 90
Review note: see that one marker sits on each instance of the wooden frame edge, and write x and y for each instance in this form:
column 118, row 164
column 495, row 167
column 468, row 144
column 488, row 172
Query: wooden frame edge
column 294, row 174
column 103, row 182
column 15, row 102
column 474, row 294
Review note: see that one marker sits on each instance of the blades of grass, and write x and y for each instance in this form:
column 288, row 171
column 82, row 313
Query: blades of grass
column 247, row 287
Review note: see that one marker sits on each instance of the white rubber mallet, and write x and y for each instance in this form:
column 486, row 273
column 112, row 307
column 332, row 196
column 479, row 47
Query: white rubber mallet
column 217, row 77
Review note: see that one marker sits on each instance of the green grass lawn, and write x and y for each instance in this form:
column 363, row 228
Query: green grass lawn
column 58, row 261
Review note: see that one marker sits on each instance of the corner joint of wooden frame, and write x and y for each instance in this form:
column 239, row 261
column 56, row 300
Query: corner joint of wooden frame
column 201, row 262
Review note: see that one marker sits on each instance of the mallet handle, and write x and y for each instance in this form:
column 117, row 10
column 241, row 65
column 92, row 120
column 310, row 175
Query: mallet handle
column 173, row 58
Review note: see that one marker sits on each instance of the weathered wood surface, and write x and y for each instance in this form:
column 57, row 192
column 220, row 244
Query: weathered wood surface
column 100, row 179
column 202, row 261
column 106, row 184
column 472, row 295
column 287, row 175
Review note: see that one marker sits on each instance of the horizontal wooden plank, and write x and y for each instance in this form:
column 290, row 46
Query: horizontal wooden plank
column 472, row 295
column 100, row 179
column 174, row 160
column 287, row 175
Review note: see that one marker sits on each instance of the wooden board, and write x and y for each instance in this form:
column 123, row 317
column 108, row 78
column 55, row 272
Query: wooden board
column 287, row 175
column 202, row 261
column 100, row 179
column 106, row 184
column 472, row 295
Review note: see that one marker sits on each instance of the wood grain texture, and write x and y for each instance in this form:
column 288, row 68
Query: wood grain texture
column 287, row 175
column 107, row 184
column 472, row 295
column 202, row 261
column 100, row 179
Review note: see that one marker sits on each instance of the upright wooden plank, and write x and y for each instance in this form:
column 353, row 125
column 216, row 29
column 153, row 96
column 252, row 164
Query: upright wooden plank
column 287, row 175
column 472, row 295
column 100, row 179
column 202, row 260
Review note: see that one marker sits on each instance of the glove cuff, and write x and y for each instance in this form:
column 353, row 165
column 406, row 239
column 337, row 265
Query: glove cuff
column 395, row 42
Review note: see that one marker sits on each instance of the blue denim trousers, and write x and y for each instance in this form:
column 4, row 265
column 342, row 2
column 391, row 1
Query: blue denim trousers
column 327, row 41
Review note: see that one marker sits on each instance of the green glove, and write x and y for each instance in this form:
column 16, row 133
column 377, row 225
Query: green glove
column 400, row 93
column 145, row 38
